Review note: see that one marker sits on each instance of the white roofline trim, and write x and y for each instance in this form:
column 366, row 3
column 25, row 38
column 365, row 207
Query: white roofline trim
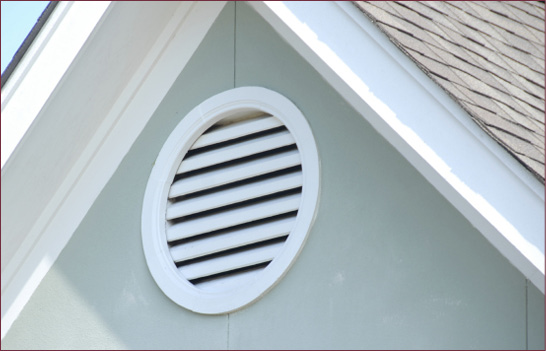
column 507, row 209
column 42, row 67
column 113, row 139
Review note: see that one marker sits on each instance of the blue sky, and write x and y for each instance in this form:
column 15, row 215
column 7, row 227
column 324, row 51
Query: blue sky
column 18, row 18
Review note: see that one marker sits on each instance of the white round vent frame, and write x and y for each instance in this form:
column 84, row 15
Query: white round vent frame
column 192, row 126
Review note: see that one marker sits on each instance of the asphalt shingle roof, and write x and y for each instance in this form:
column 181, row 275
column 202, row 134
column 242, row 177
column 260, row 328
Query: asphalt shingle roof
column 487, row 55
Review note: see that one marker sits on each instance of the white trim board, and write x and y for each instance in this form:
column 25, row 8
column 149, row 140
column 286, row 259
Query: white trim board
column 114, row 135
column 451, row 151
column 42, row 67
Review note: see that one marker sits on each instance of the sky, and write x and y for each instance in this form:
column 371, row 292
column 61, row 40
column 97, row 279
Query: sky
column 18, row 18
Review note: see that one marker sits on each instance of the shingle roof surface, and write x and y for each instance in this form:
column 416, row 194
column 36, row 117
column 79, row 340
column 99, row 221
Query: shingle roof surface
column 488, row 55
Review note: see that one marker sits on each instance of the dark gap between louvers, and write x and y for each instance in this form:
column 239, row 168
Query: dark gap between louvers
column 237, row 205
column 232, row 251
column 237, row 183
column 242, row 226
column 230, row 273
column 235, row 162
column 220, row 145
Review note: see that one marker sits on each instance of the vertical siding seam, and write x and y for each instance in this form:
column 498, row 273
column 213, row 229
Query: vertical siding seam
column 227, row 346
column 526, row 314
column 234, row 45
column 234, row 86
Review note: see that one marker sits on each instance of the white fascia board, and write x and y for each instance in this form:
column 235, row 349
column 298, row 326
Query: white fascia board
column 114, row 136
column 42, row 67
column 492, row 190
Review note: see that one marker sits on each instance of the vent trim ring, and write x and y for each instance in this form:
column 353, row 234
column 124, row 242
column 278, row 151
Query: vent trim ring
column 229, row 104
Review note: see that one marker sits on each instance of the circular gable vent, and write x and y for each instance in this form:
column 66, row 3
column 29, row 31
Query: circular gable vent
column 230, row 200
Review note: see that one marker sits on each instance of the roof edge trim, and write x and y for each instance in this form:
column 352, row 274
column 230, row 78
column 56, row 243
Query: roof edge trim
column 395, row 99
column 42, row 67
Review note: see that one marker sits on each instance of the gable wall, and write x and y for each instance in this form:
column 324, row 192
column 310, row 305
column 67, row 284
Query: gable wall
column 389, row 263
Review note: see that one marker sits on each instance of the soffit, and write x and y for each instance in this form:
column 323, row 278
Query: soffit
column 488, row 56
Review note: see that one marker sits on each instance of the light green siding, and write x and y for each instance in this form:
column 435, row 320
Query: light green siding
column 389, row 263
column 535, row 310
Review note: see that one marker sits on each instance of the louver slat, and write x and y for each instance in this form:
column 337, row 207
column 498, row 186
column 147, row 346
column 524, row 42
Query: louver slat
column 236, row 130
column 236, row 151
column 230, row 218
column 228, row 282
column 230, row 262
column 233, row 239
column 234, row 195
column 235, row 173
